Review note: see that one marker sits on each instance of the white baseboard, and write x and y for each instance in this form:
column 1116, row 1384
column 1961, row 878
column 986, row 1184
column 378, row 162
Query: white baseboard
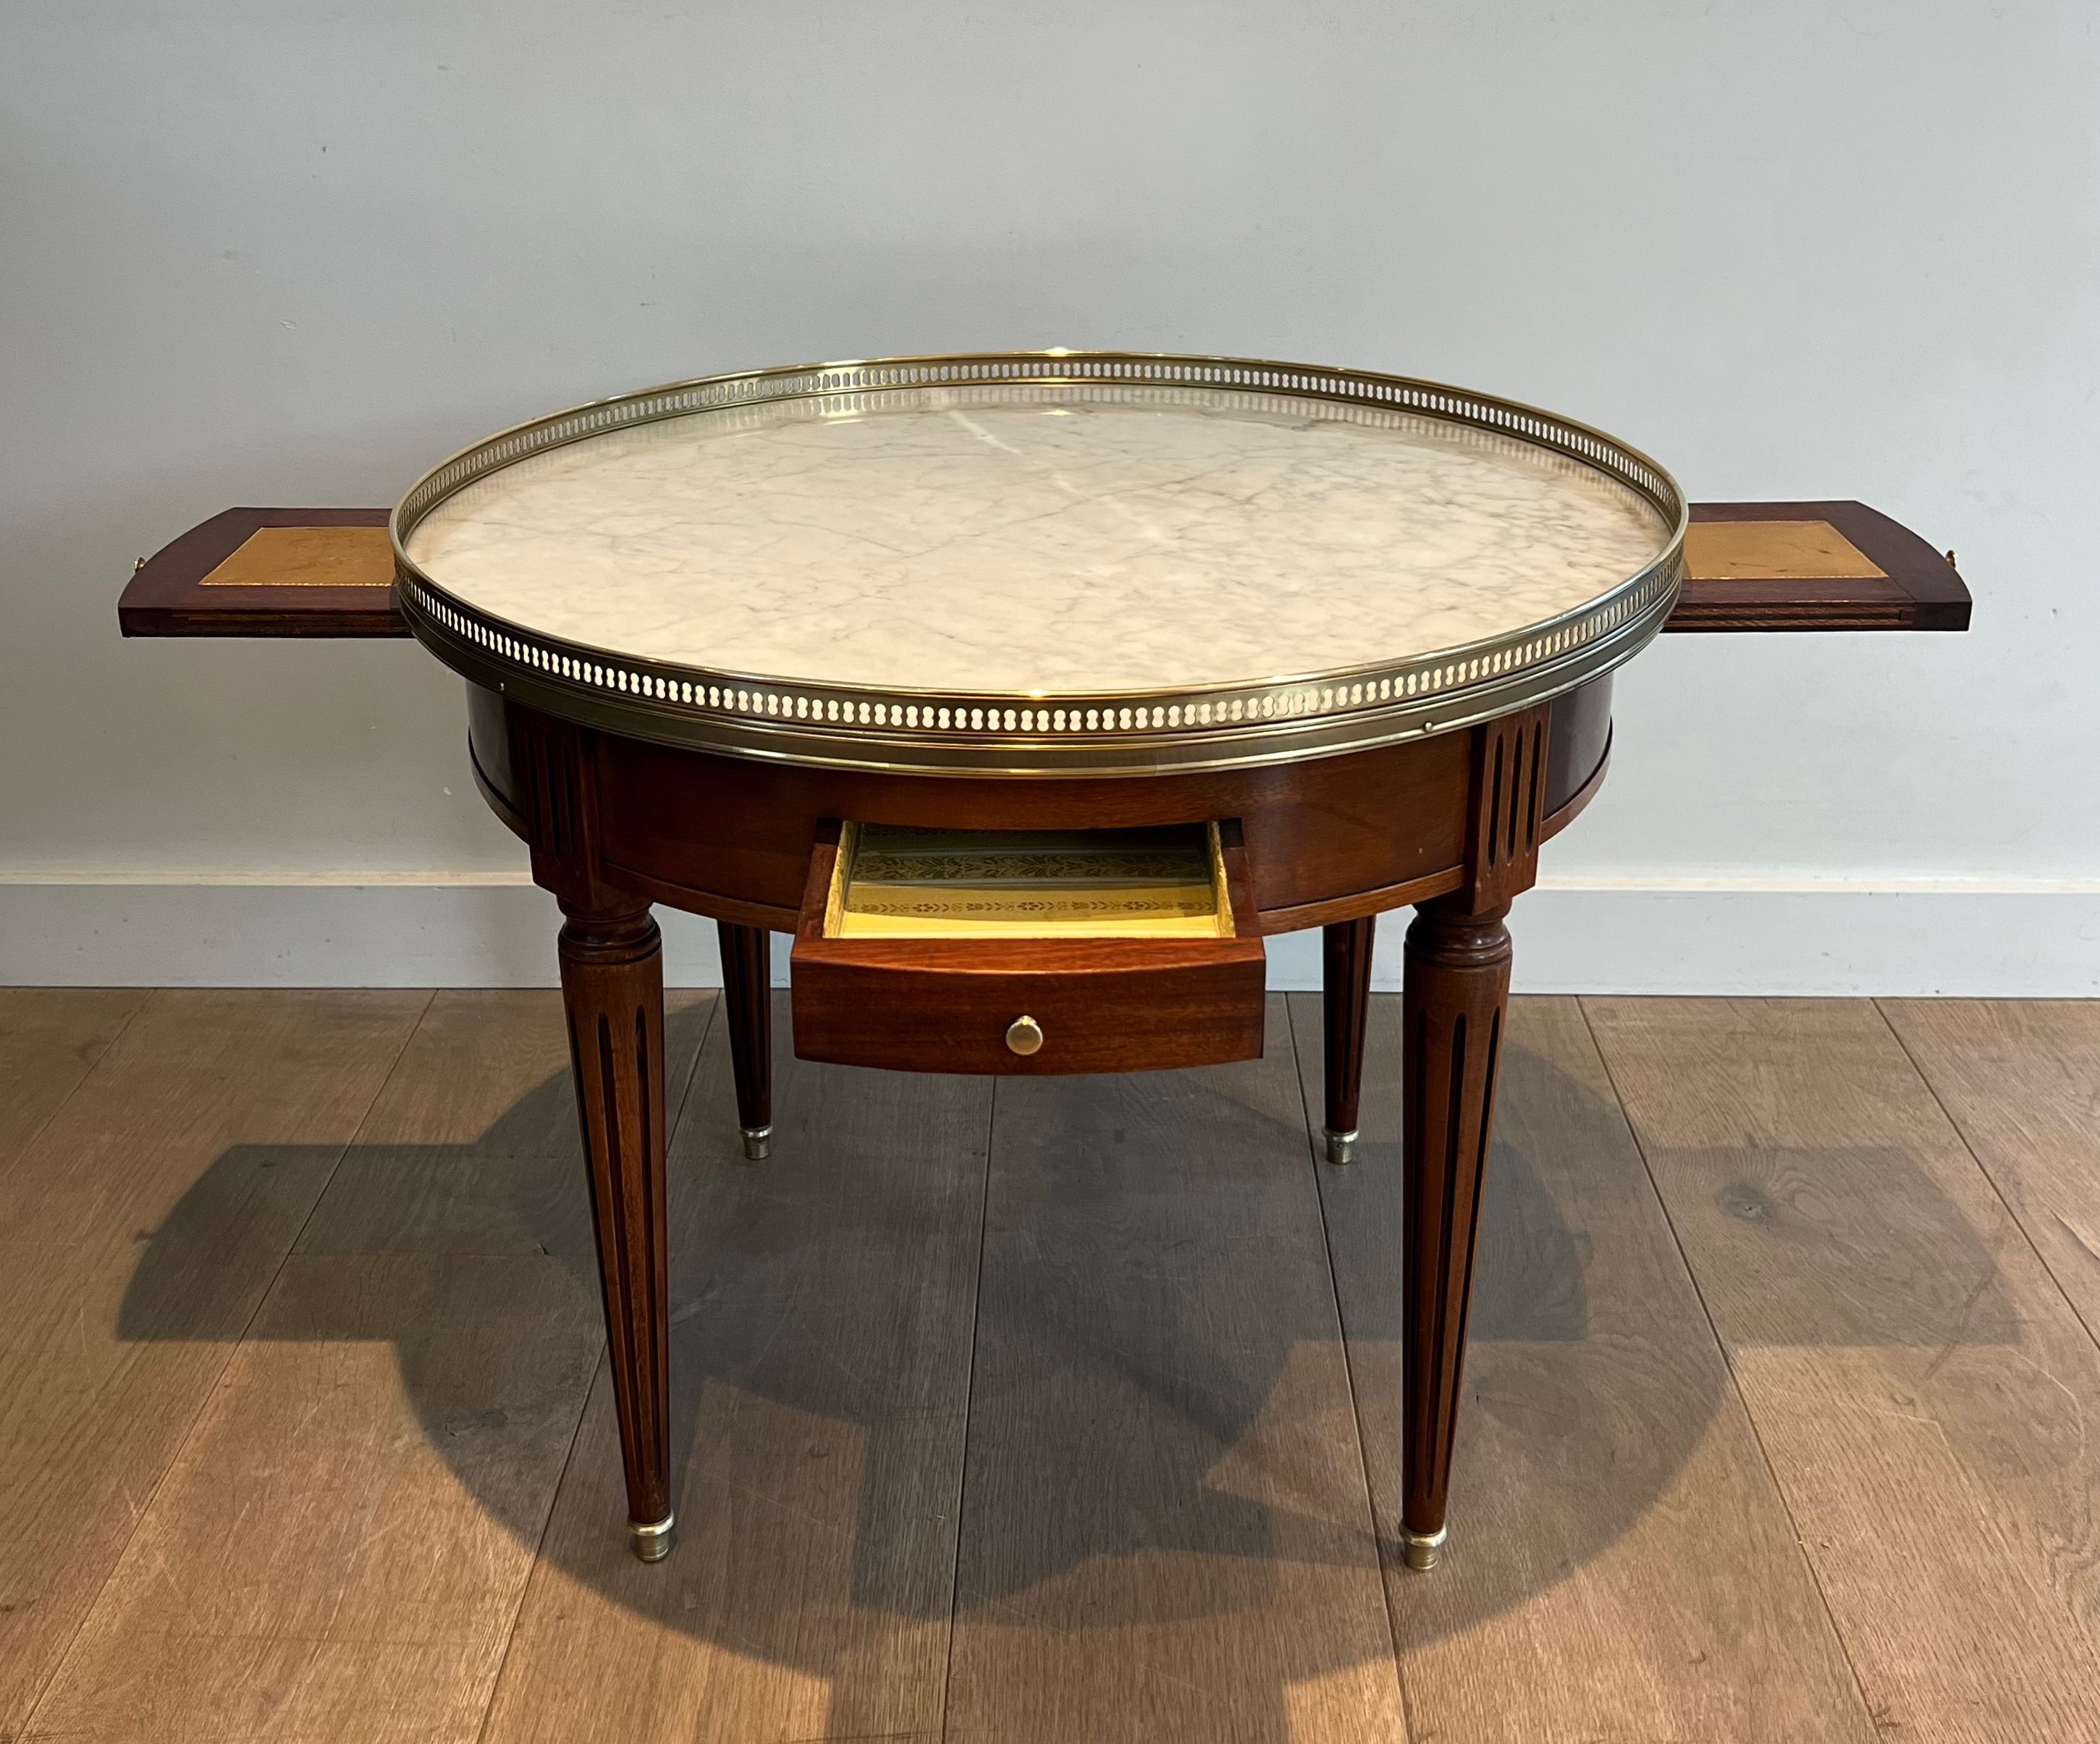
column 1957, row 938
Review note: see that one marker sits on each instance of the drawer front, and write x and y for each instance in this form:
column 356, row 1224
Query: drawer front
column 975, row 1008
column 1026, row 1004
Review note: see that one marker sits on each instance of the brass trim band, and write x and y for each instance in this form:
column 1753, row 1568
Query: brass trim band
column 650, row 1540
column 1423, row 1551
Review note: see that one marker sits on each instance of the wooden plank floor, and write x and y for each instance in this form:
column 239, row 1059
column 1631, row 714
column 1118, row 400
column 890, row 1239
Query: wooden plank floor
column 1047, row 1409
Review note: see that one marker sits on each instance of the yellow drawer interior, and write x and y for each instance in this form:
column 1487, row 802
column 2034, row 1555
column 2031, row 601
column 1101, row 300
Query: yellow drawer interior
column 895, row 882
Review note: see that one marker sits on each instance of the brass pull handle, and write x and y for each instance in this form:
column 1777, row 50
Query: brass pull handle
column 1024, row 1035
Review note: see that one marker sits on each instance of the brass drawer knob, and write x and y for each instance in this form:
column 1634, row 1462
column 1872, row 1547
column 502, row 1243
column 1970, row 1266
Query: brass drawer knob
column 1024, row 1036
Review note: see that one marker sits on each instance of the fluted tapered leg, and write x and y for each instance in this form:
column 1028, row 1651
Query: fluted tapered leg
column 1457, row 992
column 612, row 983
column 1345, row 984
column 747, row 993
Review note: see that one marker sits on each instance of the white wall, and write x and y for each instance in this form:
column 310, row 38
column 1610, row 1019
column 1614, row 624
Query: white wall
column 256, row 251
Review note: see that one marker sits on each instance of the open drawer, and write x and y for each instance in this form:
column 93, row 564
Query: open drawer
column 1012, row 951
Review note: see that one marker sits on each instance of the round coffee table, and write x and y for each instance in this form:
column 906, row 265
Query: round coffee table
column 1029, row 692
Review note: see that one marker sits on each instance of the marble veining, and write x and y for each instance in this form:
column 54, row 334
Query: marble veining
column 1043, row 539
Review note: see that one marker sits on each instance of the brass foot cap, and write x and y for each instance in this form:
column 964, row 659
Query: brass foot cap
column 1341, row 1147
column 652, row 1544
column 1422, row 1551
column 758, row 1143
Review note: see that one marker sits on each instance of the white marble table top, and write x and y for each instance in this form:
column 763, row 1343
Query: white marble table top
column 1037, row 541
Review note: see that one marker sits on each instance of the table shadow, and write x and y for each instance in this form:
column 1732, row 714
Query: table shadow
column 1140, row 1404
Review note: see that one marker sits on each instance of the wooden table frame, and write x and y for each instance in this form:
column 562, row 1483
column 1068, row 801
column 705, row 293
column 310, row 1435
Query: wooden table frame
column 1450, row 825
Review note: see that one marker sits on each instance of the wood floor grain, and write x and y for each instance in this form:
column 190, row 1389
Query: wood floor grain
column 474, row 1146
column 2021, row 1079
column 822, row 1305
column 1165, row 1532
column 340, row 1548
column 49, row 1040
column 1022, row 1410
column 1621, row 1565
column 339, row 1552
column 1924, row 1391
column 138, row 1231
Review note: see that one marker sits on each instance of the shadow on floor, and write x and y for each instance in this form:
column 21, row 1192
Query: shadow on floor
column 1125, row 1357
